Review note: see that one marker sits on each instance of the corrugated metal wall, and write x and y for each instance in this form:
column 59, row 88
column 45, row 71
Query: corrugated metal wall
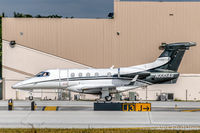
column 79, row 40
column 94, row 42
column 144, row 25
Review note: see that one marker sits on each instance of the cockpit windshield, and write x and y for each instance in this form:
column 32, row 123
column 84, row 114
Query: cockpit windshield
column 42, row 74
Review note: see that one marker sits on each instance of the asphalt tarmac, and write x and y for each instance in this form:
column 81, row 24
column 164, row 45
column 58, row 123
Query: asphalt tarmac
column 80, row 114
column 88, row 105
column 99, row 119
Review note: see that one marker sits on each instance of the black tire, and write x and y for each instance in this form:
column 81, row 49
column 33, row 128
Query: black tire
column 108, row 98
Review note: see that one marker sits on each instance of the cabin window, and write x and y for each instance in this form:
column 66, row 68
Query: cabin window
column 80, row 74
column 96, row 74
column 72, row 75
column 109, row 74
column 87, row 74
column 43, row 74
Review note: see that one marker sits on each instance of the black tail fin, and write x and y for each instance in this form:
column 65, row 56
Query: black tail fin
column 175, row 51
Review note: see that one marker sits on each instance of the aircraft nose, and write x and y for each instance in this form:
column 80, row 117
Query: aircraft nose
column 17, row 86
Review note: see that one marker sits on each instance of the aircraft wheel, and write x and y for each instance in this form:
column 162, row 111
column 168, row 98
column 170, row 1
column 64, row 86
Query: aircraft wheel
column 108, row 98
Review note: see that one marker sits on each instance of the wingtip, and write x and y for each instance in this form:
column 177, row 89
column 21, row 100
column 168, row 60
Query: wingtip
column 192, row 43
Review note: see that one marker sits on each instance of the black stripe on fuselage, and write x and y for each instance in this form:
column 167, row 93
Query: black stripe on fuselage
column 86, row 78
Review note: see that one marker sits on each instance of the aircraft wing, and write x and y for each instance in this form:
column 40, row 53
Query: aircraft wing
column 133, row 85
column 86, row 87
column 100, row 86
column 94, row 88
column 91, row 86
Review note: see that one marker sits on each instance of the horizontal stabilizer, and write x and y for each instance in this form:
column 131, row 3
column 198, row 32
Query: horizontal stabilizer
column 180, row 45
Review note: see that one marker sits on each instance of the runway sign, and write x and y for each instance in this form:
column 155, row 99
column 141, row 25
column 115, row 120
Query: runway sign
column 107, row 106
column 143, row 107
column 136, row 107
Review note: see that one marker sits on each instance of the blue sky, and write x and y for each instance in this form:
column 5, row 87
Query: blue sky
column 76, row 8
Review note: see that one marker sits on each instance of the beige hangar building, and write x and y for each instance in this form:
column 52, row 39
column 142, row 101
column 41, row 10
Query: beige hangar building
column 132, row 37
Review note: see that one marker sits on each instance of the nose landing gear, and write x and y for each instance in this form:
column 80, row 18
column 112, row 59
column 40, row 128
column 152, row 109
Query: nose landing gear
column 31, row 95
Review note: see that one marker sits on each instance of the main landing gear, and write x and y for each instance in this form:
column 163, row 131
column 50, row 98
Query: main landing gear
column 105, row 95
column 108, row 98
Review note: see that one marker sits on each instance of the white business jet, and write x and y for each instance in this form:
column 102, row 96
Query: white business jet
column 105, row 82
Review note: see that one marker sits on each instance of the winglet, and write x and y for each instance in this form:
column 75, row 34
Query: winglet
column 112, row 67
column 133, row 80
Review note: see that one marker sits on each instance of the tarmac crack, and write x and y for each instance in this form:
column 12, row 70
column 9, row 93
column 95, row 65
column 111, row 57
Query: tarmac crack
column 149, row 117
column 25, row 119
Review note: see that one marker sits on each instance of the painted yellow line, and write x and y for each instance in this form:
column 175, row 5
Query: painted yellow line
column 193, row 110
column 50, row 108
